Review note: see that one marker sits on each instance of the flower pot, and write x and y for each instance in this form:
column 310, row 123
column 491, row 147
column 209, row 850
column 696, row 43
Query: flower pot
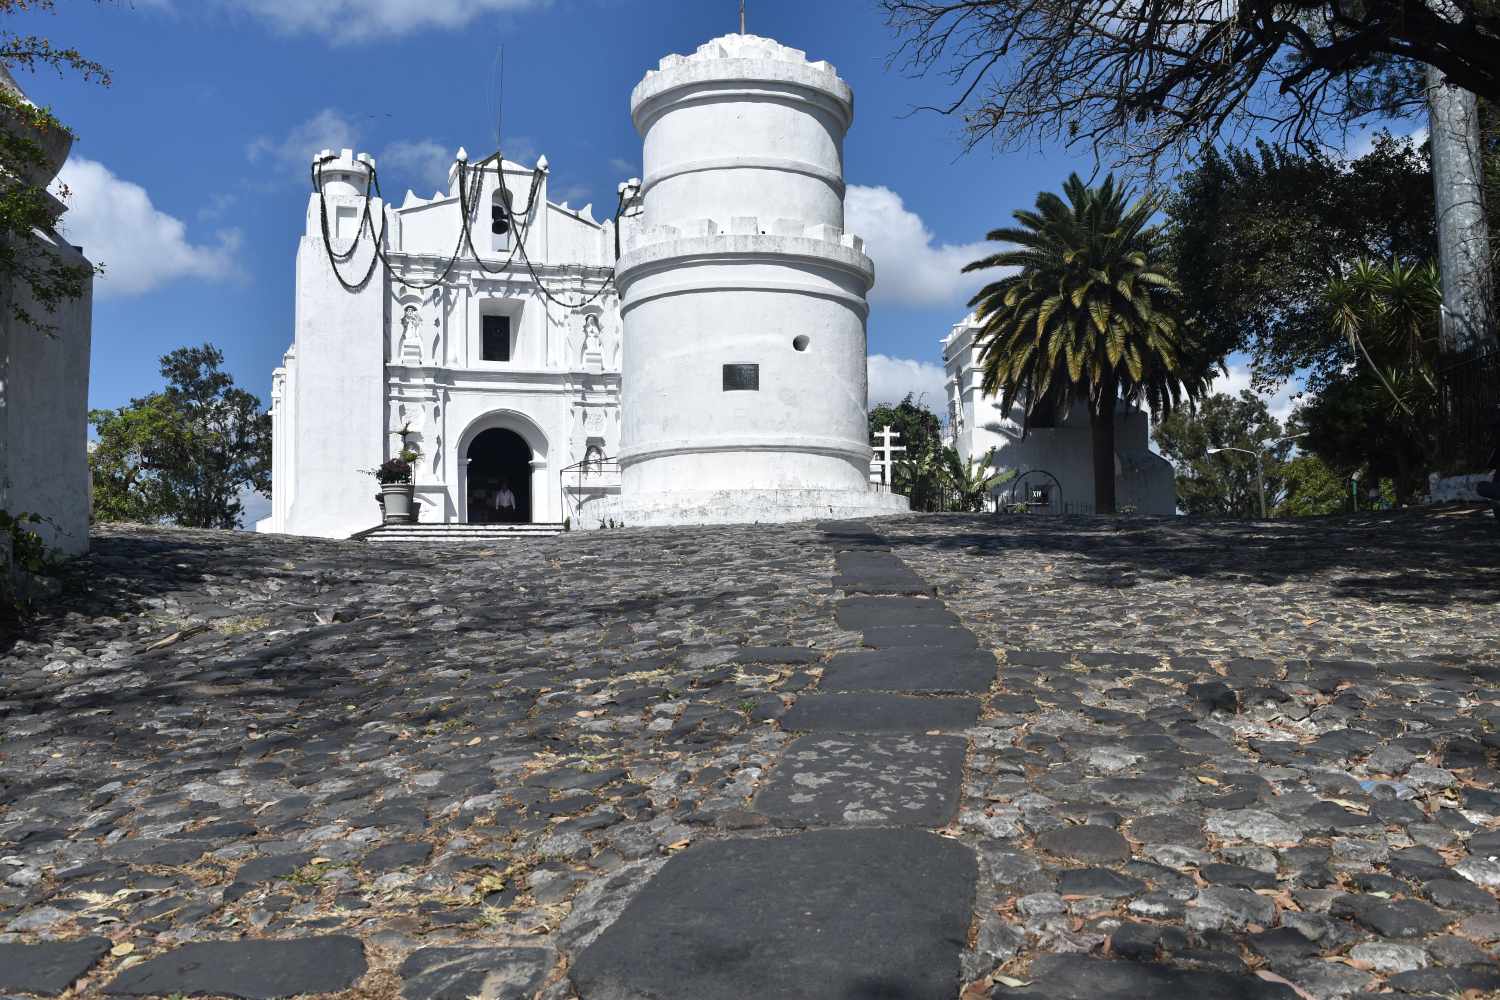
column 396, row 501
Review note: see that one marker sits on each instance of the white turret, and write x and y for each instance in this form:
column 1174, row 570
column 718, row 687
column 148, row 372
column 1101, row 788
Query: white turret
column 743, row 385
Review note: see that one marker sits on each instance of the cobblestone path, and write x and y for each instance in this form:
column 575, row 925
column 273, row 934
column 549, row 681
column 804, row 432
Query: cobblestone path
column 1019, row 757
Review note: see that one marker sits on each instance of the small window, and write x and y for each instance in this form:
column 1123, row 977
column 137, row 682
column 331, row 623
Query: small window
column 500, row 220
column 742, row 378
column 496, row 338
column 346, row 222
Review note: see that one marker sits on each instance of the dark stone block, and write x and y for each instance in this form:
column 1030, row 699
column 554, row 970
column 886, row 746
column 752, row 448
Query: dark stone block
column 862, row 572
column 1237, row 876
column 461, row 973
column 249, row 969
column 1402, row 918
column 1098, row 882
column 931, row 636
column 1447, row 982
column 1094, row 844
column 777, row 654
column 50, row 967
column 266, row 869
column 878, row 713
column 910, row 668
column 879, row 781
column 569, row 779
column 391, row 857
column 167, row 853
column 1215, row 696
column 859, row 613
column 1079, row 977
column 1282, row 946
column 835, row 913
column 1460, row 895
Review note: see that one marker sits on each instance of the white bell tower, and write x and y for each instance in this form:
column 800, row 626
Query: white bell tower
column 743, row 391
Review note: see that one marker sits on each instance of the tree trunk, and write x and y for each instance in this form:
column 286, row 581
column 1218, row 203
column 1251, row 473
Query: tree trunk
column 1468, row 321
column 1102, row 431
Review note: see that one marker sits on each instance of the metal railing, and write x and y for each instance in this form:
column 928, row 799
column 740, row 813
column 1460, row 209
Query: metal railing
column 582, row 481
column 1468, row 405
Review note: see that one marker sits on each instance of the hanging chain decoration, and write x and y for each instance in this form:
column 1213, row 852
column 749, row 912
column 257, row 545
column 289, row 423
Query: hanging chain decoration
column 470, row 183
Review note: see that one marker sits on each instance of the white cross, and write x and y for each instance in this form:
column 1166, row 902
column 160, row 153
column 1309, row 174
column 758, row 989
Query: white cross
column 885, row 450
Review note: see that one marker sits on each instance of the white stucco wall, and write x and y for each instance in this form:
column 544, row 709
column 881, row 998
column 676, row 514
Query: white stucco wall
column 44, row 384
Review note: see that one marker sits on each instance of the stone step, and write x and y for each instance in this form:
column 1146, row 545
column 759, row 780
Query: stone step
column 446, row 533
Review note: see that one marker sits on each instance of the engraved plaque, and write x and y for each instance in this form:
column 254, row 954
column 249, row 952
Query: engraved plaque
column 741, row 378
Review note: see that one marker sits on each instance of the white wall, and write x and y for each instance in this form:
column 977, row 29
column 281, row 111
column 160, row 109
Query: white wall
column 44, row 384
column 339, row 388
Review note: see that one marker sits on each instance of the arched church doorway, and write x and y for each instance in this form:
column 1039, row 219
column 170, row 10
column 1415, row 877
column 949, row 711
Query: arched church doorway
column 499, row 478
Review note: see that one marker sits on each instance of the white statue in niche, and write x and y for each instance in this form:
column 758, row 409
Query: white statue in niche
column 593, row 349
column 411, row 336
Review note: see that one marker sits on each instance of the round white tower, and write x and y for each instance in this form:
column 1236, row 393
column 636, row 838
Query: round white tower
column 743, row 391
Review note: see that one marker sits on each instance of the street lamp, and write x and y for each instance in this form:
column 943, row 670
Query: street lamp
column 1260, row 464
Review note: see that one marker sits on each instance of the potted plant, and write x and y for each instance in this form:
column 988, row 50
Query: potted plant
column 396, row 489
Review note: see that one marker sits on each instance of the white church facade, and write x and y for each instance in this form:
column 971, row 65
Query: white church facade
column 502, row 371
column 1057, row 453
column 736, row 311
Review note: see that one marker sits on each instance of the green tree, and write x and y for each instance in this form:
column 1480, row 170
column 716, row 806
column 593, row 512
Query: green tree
column 33, row 143
column 1312, row 487
column 969, row 483
column 1154, row 77
column 1224, row 483
column 918, row 470
column 1091, row 312
column 1379, row 410
column 1256, row 236
column 184, row 454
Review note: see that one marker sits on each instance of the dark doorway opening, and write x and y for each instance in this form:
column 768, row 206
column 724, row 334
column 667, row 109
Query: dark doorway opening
column 499, row 463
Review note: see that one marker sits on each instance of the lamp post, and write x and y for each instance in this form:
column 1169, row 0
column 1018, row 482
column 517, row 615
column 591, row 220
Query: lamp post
column 1260, row 464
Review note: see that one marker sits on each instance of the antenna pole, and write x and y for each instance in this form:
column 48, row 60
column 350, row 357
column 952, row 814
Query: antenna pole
column 742, row 17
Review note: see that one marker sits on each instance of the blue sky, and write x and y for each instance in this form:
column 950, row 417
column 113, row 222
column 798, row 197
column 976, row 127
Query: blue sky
column 190, row 172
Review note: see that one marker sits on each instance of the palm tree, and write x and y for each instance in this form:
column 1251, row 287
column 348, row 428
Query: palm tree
column 1398, row 306
column 1091, row 311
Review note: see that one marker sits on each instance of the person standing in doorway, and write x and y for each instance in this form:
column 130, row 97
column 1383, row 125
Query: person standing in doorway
column 505, row 502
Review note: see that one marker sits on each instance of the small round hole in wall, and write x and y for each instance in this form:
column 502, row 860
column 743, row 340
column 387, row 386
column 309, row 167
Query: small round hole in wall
column 801, row 341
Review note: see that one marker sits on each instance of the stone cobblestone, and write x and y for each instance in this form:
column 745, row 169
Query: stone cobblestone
column 1211, row 752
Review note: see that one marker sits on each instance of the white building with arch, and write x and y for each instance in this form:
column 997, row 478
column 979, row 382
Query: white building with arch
column 500, row 369
column 485, row 325
column 1058, row 451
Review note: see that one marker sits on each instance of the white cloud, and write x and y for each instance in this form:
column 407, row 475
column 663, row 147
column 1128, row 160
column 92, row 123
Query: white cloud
column 341, row 21
column 892, row 378
column 1281, row 402
column 418, row 163
column 328, row 129
column 422, row 164
column 911, row 269
column 140, row 246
